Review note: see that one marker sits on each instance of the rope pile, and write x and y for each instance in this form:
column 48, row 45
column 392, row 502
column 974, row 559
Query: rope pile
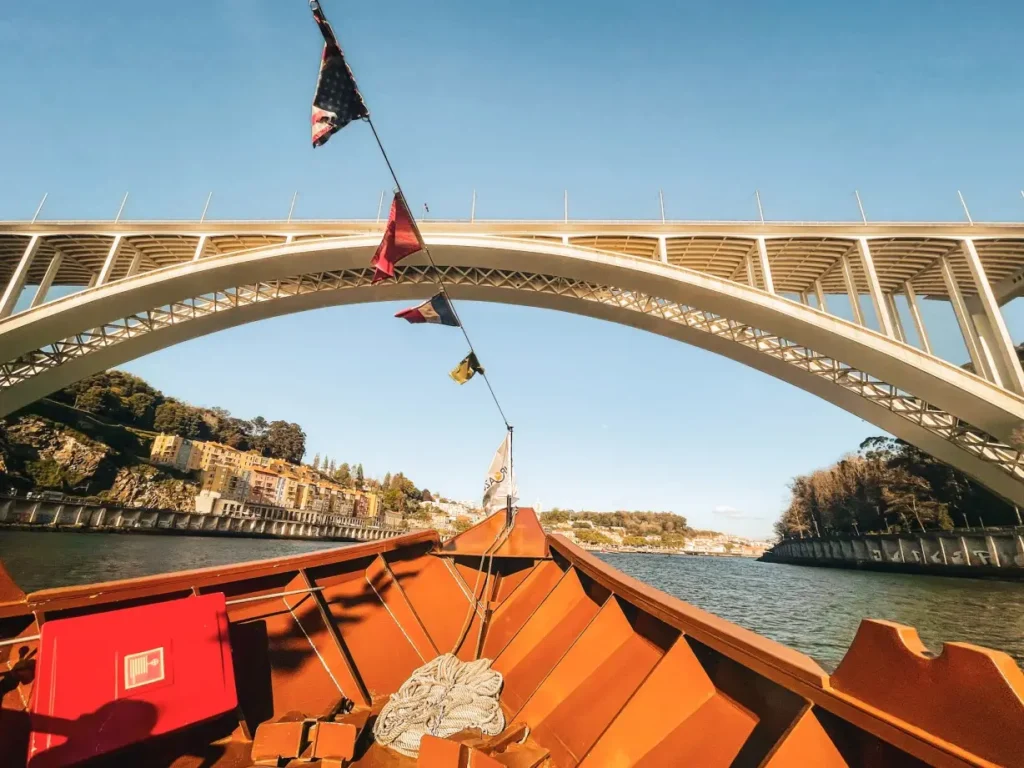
column 442, row 697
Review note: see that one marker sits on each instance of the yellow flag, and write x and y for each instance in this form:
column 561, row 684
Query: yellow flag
column 465, row 370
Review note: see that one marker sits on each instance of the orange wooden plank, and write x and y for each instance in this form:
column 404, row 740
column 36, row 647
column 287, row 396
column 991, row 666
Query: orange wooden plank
column 435, row 594
column 589, row 685
column 527, row 539
column 711, row 737
column 676, row 688
column 514, row 612
column 806, row 743
column 967, row 695
column 513, row 573
column 383, row 655
column 542, row 641
column 384, row 584
column 337, row 656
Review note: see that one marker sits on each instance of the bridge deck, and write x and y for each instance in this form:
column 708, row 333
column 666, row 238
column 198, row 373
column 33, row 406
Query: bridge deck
column 799, row 253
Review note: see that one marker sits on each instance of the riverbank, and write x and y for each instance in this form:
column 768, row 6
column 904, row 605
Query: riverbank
column 40, row 515
column 970, row 554
column 665, row 551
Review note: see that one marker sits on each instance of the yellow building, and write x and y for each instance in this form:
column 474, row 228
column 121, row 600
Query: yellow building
column 252, row 459
column 231, row 483
column 212, row 454
column 288, row 491
column 172, row 451
column 263, row 485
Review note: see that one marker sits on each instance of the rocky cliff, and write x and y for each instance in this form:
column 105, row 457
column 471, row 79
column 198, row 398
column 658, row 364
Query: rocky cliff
column 46, row 454
column 146, row 486
column 54, row 452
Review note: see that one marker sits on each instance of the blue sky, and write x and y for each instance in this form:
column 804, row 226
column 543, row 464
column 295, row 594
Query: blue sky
column 806, row 101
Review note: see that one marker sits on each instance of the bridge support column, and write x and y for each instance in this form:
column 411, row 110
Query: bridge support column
column 991, row 326
column 851, row 290
column 819, row 292
column 894, row 313
column 766, row 271
column 663, row 250
column 885, row 323
column 13, row 290
column 133, row 268
column 915, row 315
column 982, row 366
column 110, row 261
column 201, row 246
column 47, row 281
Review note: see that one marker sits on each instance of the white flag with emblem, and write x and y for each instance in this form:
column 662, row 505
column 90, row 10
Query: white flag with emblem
column 500, row 481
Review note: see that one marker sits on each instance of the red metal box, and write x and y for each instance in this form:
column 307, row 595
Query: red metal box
column 111, row 679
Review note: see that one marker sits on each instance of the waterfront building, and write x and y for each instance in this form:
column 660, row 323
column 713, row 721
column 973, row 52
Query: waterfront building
column 172, row 451
column 211, row 454
column 263, row 486
column 233, row 481
column 230, row 482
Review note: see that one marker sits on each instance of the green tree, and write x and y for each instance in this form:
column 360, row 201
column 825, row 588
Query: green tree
column 554, row 517
column 97, row 400
column 343, row 475
column 593, row 537
column 360, row 478
column 393, row 500
column 176, row 418
column 462, row 523
column 142, row 407
column 316, row 461
column 286, row 441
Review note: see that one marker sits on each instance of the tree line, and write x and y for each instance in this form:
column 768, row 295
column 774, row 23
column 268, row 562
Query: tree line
column 888, row 486
column 635, row 523
column 124, row 398
column 119, row 397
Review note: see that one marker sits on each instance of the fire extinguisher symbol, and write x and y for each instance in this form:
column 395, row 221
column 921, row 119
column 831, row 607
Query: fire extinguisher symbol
column 143, row 668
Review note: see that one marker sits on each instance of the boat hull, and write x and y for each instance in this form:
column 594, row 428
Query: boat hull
column 601, row 669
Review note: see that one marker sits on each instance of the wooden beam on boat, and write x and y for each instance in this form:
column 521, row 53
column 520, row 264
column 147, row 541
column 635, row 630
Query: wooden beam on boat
column 166, row 586
column 527, row 538
column 387, row 588
column 346, row 674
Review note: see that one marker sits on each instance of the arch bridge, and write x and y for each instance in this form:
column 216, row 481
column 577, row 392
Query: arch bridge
column 759, row 293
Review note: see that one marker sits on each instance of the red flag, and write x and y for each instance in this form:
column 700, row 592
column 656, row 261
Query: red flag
column 400, row 240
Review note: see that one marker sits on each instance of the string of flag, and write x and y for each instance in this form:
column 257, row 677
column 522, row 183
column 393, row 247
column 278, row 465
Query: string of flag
column 337, row 102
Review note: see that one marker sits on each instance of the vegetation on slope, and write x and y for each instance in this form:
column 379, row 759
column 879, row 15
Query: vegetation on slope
column 93, row 438
column 888, row 485
column 120, row 397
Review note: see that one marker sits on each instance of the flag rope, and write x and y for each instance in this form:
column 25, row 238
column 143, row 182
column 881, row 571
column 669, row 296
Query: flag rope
column 430, row 258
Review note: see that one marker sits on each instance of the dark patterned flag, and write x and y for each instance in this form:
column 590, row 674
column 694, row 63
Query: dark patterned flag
column 337, row 101
column 435, row 310
column 465, row 370
column 400, row 240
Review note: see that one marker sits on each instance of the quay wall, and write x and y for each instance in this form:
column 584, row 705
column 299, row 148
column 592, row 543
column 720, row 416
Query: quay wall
column 44, row 515
column 975, row 554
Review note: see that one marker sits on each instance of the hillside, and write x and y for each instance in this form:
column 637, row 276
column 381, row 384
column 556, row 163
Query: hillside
column 888, row 485
column 51, row 445
column 94, row 438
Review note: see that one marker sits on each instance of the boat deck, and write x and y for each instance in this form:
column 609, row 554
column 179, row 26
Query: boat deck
column 599, row 669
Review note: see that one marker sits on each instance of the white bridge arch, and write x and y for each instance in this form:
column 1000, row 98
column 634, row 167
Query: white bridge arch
column 715, row 286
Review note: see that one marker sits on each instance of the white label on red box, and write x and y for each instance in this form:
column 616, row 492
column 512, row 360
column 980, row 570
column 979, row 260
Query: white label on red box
column 143, row 668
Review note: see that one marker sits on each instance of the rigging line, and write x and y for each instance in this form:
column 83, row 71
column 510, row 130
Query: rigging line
column 430, row 258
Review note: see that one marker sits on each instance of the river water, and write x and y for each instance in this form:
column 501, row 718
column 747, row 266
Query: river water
column 814, row 610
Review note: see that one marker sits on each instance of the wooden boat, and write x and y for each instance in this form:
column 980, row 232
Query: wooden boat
column 599, row 669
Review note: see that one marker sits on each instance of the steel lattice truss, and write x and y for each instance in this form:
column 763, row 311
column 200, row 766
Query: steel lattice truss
column 941, row 423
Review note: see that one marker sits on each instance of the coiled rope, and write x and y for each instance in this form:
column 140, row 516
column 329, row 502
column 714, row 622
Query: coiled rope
column 442, row 697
